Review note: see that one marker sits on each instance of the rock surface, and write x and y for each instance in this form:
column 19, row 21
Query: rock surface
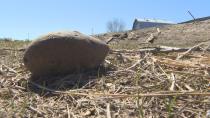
column 64, row 52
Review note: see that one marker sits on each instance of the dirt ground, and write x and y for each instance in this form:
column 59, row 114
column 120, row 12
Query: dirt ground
column 181, row 35
column 129, row 84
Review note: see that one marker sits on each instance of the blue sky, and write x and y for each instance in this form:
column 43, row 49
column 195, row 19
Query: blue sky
column 20, row 18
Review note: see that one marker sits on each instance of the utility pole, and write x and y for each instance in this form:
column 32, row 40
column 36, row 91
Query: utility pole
column 192, row 15
column 28, row 36
column 92, row 31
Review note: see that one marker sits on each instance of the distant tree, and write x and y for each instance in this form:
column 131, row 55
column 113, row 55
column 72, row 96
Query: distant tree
column 115, row 25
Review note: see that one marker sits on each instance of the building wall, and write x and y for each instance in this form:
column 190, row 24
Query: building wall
column 145, row 24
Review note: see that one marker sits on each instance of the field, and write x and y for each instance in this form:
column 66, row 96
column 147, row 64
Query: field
column 131, row 83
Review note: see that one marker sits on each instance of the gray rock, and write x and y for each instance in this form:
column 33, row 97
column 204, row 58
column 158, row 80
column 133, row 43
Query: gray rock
column 64, row 52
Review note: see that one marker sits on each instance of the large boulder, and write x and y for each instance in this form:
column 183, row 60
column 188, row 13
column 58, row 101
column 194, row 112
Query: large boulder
column 64, row 52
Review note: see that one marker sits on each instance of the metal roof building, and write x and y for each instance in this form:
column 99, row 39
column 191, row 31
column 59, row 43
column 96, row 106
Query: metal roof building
column 197, row 19
column 147, row 23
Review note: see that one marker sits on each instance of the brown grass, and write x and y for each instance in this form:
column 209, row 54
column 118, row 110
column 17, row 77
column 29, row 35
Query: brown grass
column 153, row 87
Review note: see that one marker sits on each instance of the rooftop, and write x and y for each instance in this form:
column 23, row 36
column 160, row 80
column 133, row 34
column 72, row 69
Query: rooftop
column 155, row 20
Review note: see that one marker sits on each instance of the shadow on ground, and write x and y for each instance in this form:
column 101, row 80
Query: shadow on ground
column 51, row 84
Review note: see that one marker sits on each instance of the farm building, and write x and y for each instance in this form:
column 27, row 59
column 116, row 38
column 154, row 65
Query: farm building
column 197, row 19
column 147, row 23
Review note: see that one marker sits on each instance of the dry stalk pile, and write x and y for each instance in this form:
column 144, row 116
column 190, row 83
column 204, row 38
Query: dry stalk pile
column 132, row 84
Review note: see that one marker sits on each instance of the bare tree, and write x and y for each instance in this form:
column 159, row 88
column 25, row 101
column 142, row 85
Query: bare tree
column 115, row 25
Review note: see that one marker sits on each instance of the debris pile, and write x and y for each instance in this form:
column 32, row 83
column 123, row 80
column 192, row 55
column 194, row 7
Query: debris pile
column 135, row 84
